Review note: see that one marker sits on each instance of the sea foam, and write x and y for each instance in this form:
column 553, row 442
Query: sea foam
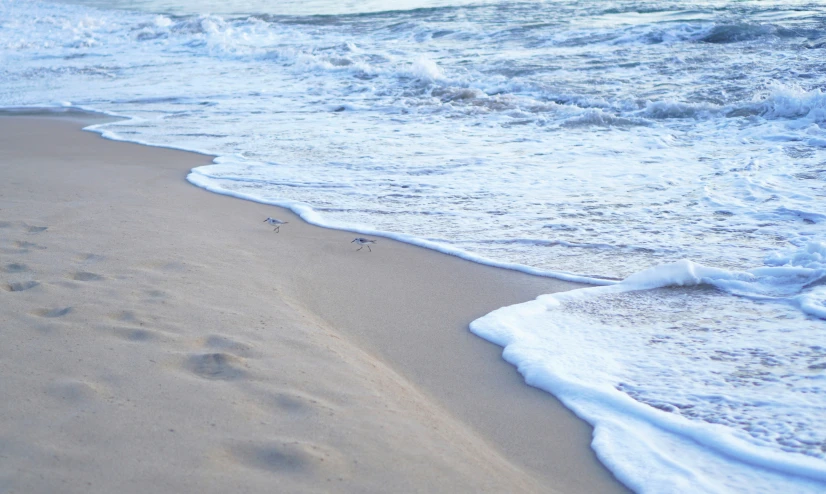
column 665, row 369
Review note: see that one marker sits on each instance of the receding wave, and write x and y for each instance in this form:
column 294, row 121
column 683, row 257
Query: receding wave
column 632, row 363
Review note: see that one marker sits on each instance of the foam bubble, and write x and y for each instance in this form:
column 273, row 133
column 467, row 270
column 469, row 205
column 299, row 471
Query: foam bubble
column 794, row 102
column 426, row 70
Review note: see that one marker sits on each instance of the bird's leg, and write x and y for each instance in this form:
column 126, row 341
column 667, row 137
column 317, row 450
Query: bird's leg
column 276, row 229
column 360, row 248
column 369, row 249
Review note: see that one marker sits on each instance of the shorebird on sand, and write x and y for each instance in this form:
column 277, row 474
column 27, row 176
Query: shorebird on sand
column 363, row 241
column 276, row 222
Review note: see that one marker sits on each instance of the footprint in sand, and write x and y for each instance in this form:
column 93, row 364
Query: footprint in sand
column 126, row 316
column 85, row 276
column 15, row 268
column 52, row 312
column 135, row 334
column 219, row 342
column 218, row 366
column 20, row 286
column 288, row 457
column 71, row 390
column 167, row 266
column 89, row 258
column 37, row 229
column 299, row 403
column 139, row 335
column 24, row 247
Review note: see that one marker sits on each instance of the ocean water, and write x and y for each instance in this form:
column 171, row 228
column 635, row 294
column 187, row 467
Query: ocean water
column 672, row 154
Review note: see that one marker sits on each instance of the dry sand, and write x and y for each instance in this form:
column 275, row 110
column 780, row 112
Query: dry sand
column 160, row 338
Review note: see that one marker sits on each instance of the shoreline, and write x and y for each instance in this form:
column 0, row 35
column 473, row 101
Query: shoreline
column 95, row 118
column 396, row 317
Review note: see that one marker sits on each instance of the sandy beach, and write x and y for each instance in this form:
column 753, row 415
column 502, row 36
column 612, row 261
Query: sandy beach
column 161, row 338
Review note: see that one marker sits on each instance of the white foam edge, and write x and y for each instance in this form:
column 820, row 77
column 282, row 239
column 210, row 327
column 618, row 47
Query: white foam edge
column 303, row 210
column 612, row 412
column 814, row 303
column 313, row 217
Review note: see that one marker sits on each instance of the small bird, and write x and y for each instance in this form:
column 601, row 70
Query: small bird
column 363, row 241
column 276, row 222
